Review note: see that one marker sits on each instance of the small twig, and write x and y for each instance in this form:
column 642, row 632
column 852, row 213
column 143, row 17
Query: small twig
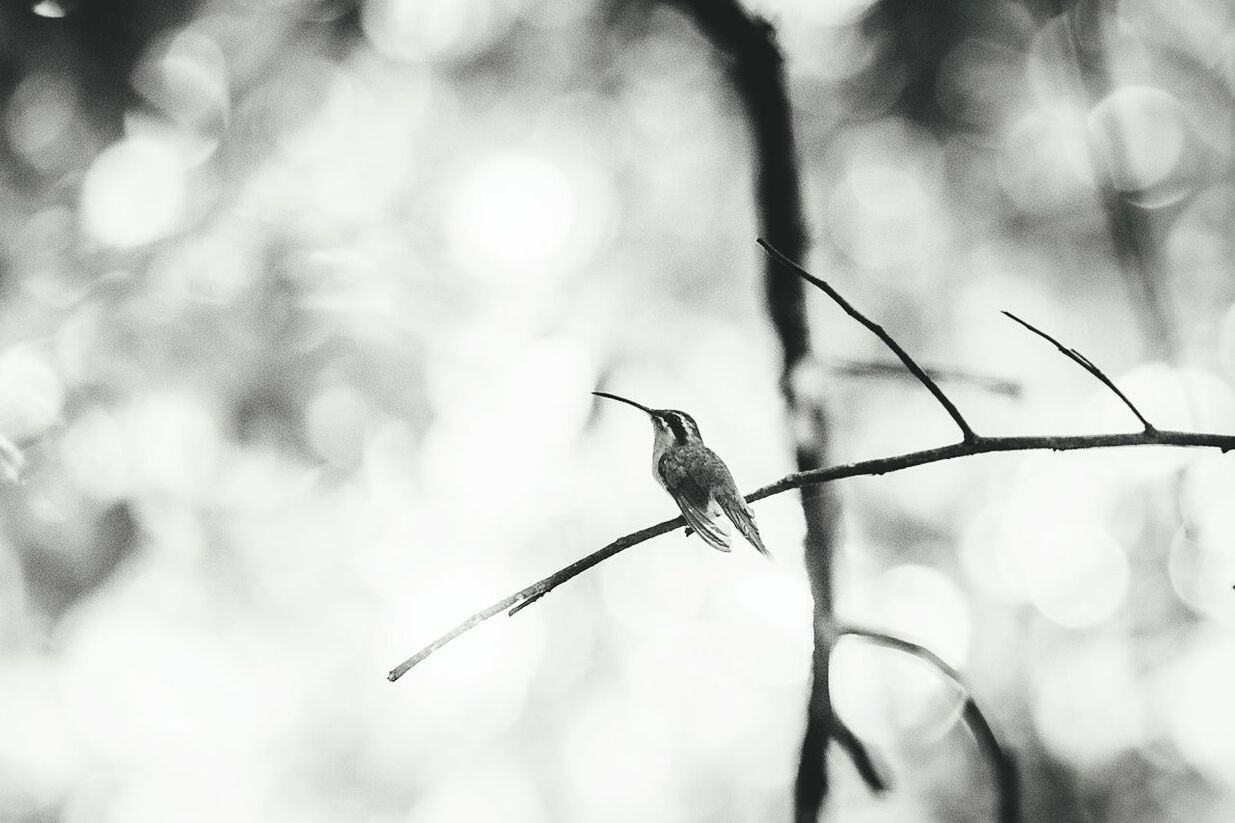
column 883, row 368
column 861, row 758
column 1088, row 365
column 797, row 480
column 1001, row 761
column 931, row 386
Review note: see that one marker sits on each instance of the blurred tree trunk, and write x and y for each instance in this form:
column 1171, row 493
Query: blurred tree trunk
column 756, row 71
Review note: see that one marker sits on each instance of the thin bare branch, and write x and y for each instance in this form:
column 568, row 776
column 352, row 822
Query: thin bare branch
column 525, row 597
column 966, row 431
column 1088, row 365
column 861, row 758
column 797, row 480
column 1002, row 764
column 988, row 445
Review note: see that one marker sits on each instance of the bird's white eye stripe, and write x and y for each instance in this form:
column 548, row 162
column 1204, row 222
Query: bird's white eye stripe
column 685, row 421
column 676, row 425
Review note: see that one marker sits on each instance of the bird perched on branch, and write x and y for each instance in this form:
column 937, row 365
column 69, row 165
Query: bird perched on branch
column 699, row 481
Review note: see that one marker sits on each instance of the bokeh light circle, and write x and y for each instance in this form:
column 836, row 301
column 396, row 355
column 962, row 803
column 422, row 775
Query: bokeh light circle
column 1203, row 578
column 414, row 30
column 885, row 216
column 1044, row 162
column 1140, row 133
column 524, row 216
column 886, row 695
column 1077, row 575
column 134, row 192
column 925, row 603
column 39, row 119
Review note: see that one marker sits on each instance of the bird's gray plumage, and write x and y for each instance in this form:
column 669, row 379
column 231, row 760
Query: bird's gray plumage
column 688, row 472
column 697, row 479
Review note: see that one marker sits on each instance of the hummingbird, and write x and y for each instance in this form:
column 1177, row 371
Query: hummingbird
column 696, row 478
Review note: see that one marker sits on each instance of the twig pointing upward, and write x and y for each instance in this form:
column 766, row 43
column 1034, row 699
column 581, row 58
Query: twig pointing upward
column 1088, row 365
column 967, row 433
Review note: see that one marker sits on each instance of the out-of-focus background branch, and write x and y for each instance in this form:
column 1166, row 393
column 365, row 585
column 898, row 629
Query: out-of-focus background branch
column 755, row 64
column 277, row 277
column 1003, row 766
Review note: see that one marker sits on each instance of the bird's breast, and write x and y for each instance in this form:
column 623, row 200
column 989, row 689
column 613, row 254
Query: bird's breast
column 659, row 447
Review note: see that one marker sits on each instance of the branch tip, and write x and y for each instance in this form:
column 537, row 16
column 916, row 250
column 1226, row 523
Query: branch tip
column 925, row 379
column 1088, row 365
column 861, row 757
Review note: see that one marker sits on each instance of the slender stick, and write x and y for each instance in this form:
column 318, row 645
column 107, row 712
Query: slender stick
column 917, row 371
column 1006, row 778
column 1088, row 365
column 797, row 480
column 862, row 760
column 526, row 597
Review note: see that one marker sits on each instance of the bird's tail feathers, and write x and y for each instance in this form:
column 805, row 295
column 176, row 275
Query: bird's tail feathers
column 740, row 514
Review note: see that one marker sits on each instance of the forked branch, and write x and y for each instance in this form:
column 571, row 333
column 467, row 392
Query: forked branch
column 972, row 444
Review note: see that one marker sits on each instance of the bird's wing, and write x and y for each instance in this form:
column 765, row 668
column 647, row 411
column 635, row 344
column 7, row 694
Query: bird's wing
column 714, row 474
column 696, row 503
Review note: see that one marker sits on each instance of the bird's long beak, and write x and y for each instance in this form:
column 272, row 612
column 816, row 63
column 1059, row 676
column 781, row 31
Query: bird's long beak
column 639, row 406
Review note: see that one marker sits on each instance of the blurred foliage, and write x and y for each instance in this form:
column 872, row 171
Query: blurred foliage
column 302, row 301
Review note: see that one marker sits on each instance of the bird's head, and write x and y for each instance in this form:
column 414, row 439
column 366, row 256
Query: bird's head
column 669, row 425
